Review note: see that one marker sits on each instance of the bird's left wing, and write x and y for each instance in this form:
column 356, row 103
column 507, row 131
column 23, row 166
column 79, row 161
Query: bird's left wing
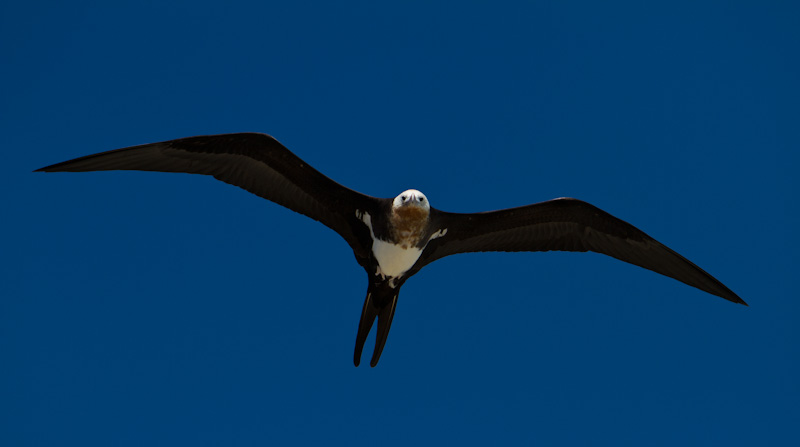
column 563, row 225
column 255, row 162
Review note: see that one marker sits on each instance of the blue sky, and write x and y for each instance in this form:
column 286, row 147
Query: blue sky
column 163, row 309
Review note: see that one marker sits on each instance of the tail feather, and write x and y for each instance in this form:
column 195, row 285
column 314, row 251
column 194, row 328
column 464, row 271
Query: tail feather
column 368, row 314
column 384, row 323
column 380, row 303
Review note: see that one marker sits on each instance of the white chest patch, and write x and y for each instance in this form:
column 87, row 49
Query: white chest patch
column 393, row 260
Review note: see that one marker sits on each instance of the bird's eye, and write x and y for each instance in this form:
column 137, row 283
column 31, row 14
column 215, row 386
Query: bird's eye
column 403, row 198
column 421, row 199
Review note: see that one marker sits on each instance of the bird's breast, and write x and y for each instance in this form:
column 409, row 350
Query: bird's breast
column 396, row 255
column 395, row 259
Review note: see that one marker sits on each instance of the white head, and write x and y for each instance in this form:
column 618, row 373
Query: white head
column 411, row 197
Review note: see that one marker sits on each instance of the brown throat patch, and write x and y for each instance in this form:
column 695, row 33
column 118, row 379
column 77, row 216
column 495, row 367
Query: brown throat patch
column 408, row 222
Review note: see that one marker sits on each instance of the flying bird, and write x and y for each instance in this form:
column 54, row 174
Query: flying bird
column 393, row 238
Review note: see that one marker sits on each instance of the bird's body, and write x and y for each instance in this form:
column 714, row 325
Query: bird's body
column 392, row 239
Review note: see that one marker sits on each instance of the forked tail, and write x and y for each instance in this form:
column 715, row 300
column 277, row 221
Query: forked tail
column 381, row 302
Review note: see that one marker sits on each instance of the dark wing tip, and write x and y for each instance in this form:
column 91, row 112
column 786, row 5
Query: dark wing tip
column 738, row 300
column 51, row 168
column 717, row 288
column 730, row 296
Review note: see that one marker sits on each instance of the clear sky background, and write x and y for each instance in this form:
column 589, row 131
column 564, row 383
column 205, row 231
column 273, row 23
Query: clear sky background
column 165, row 309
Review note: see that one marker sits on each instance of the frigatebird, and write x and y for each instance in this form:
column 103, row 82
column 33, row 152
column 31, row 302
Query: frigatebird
column 393, row 239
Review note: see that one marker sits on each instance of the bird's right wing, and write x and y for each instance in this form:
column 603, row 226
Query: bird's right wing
column 255, row 162
column 564, row 225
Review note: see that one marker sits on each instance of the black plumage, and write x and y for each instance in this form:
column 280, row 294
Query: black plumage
column 261, row 165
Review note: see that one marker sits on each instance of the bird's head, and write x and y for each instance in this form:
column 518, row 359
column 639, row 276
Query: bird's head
column 411, row 198
column 410, row 211
column 411, row 204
